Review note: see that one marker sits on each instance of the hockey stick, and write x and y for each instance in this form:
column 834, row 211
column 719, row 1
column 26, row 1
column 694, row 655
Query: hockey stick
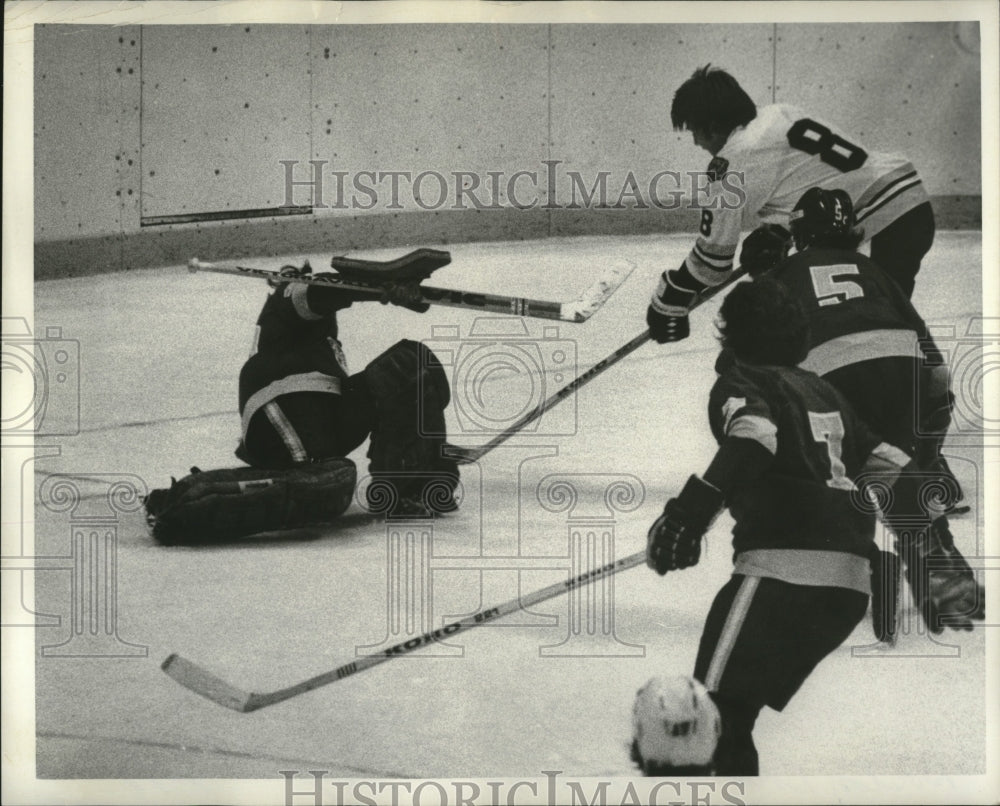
column 576, row 310
column 467, row 455
column 201, row 681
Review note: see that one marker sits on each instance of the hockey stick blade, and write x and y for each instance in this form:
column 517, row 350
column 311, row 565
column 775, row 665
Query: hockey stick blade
column 467, row 455
column 593, row 299
column 208, row 685
column 576, row 311
column 203, row 682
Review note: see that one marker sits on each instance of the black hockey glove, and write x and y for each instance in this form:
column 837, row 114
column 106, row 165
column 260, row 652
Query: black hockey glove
column 406, row 295
column 667, row 327
column 765, row 248
column 943, row 585
column 667, row 315
column 674, row 539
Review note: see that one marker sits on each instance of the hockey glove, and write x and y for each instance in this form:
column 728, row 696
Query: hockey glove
column 667, row 315
column 406, row 295
column 943, row 585
column 674, row 539
column 765, row 248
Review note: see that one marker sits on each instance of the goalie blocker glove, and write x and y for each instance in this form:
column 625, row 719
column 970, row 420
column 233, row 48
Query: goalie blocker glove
column 674, row 539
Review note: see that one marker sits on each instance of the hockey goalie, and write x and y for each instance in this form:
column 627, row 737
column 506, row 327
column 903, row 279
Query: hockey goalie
column 302, row 413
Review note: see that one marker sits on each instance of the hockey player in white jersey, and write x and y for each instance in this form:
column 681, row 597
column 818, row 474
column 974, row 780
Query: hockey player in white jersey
column 778, row 152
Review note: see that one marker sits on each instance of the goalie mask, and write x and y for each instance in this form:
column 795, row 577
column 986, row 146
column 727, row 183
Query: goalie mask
column 821, row 217
column 675, row 727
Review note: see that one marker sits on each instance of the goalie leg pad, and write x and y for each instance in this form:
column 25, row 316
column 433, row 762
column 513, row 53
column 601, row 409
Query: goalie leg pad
column 411, row 393
column 219, row 505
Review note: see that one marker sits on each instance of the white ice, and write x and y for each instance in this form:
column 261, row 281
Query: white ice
column 160, row 351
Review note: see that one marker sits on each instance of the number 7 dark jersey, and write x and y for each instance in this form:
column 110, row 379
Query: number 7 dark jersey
column 765, row 167
column 805, row 499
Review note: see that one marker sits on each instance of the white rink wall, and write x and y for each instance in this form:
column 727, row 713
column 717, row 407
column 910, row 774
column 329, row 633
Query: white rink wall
column 155, row 140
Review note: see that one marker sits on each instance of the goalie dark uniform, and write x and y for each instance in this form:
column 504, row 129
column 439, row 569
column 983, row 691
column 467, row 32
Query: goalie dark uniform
column 298, row 403
column 790, row 448
column 302, row 413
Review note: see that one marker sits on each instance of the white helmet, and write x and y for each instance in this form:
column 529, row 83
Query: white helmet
column 674, row 724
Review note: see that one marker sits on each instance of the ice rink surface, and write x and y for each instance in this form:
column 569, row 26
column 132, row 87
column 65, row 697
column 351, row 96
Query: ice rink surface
column 159, row 355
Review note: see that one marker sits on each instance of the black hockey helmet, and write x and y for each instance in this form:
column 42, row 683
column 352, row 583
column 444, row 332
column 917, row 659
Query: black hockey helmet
column 820, row 216
column 764, row 323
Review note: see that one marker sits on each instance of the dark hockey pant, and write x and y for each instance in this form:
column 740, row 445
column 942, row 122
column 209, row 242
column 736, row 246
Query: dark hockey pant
column 762, row 639
column 901, row 246
column 309, row 426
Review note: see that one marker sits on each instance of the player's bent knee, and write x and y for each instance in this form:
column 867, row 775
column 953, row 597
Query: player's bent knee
column 406, row 370
column 409, row 474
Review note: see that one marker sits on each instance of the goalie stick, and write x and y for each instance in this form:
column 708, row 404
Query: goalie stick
column 201, row 681
column 467, row 455
column 576, row 310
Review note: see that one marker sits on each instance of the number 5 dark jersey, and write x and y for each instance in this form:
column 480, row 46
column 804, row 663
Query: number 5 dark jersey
column 804, row 501
column 856, row 312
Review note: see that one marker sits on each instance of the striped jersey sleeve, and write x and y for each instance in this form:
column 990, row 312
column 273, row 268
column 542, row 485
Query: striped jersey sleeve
column 737, row 409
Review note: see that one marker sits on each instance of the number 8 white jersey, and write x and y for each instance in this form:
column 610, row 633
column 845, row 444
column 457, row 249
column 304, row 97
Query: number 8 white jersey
column 776, row 158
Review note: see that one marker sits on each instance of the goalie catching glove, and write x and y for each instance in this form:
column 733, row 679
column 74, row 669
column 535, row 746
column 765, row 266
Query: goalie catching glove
column 218, row 505
column 400, row 278
column 674, row 539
